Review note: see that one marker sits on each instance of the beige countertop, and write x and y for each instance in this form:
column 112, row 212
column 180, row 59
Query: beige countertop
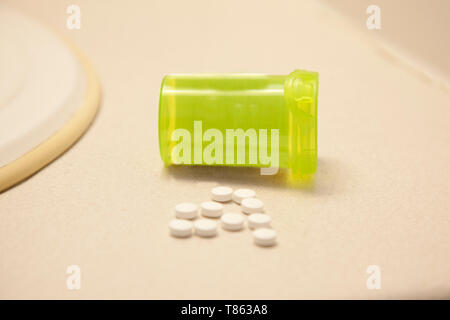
column 380, row 195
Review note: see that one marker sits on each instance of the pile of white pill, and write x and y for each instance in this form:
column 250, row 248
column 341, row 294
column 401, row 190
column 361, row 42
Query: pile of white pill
column 251, row 207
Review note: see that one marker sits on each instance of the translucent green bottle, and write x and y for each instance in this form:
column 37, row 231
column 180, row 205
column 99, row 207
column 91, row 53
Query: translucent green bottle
column 240, row 120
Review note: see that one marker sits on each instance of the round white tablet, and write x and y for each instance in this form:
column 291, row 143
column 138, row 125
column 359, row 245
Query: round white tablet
column 205, row 228
column 252, row 205
column 221, row 194
column 232, row 221
column 241, row 194
column 265, row 237
column 186, row 210
column 211, row 209
column 258, row 220
column 180, row 228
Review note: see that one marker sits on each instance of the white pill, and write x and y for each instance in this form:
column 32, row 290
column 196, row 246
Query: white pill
column 241, row 194
column 232, row 221
column 205, row 228
column 186, row 210
column 258, row 220
column 265, row 237
column 252, row 205
column 221, row 194
column 211, row 209
column 180, row 228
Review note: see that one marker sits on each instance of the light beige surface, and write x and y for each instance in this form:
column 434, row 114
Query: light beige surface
column 416, row 28
column 380, row 195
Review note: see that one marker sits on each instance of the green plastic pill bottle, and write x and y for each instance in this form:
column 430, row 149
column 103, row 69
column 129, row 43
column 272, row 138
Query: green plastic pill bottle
column 239, row 119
